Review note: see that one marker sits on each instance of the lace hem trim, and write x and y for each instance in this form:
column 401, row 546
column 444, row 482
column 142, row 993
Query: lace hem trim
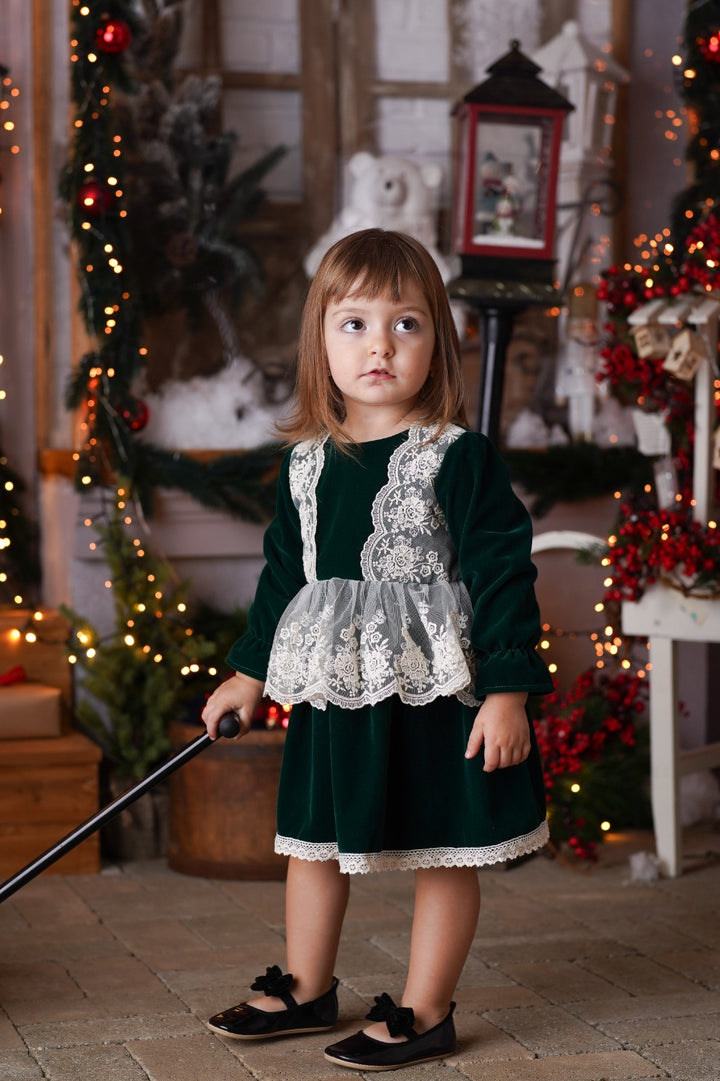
column 415, row 859
column 319, row 697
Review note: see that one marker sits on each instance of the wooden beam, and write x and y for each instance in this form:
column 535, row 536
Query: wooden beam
column 356, row 52
column 320, row 136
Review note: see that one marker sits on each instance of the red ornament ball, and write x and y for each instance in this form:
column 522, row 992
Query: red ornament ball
column 710, row 48
column 94, row 198
column 113, row 36
column 136, row 415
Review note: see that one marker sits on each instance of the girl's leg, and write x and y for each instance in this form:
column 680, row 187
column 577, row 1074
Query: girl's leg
column 316, row 896
column 447, row 905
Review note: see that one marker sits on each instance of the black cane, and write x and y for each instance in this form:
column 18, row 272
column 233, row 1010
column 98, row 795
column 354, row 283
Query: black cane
column 229, row 726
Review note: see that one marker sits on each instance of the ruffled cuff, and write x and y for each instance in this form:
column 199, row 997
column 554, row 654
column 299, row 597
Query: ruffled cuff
column 250, row 656
column 511, row 670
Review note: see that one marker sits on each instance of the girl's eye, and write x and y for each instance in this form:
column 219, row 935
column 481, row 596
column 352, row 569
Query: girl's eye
column 353, row 325
column 407, row 323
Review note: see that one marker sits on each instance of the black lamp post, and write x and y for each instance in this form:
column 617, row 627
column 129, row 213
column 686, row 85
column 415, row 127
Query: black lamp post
column 509, row 130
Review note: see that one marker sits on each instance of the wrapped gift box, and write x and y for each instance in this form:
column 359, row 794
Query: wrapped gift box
column 48, row 787
column 29, row 711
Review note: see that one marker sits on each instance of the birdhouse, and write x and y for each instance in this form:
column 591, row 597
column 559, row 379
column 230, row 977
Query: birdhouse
column 651, row 340
column 589, row 78
column 508, row 144
column 687, row 353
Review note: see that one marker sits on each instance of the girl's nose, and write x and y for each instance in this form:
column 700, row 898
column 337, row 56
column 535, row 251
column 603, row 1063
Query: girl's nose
column 381, row 344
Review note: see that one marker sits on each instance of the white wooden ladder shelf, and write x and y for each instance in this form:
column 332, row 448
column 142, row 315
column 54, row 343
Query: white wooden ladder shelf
column 664, row 615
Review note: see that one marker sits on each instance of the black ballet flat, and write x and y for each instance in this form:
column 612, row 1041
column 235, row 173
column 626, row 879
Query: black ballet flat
column 362, row 1052
column 245, row 1022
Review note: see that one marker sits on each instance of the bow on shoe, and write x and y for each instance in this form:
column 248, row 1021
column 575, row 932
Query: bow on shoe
column 274, row 982
column 399, row 1019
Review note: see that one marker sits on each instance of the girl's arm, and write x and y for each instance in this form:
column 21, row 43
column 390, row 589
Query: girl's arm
column 281, row 578
column 492, row 534
column 501, row 729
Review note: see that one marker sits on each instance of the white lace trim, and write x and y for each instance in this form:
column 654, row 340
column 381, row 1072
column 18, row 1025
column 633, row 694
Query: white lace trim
column 410, row 541
column 367, row 862
column 306, row 465
column 354, row 643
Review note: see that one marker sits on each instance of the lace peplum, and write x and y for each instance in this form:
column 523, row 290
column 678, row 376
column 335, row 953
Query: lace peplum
column 353, row 643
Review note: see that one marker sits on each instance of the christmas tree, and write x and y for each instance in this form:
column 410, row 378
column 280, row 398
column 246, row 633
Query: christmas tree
column 156, row 220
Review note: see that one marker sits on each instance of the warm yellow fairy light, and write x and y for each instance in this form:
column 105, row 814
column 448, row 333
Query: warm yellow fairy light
column 575, row 787
column 90, row 653
column 599, row 607
column 605, row 826
column 129, row 640
column 31, row 637
column 157, row 658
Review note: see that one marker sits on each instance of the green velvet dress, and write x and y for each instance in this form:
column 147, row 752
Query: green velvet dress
column 398, row 591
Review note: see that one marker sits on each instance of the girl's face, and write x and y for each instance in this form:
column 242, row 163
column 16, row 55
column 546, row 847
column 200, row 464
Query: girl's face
column 380, row 350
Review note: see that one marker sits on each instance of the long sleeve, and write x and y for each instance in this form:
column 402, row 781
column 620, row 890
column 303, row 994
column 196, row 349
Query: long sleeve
column 492, row 534
column 281, row 578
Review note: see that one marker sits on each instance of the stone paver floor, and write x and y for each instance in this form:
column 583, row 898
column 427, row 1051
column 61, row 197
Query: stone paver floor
column 573, row 976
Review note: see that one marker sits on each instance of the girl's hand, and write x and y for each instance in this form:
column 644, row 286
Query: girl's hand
column 241, row 695
column 501, row 726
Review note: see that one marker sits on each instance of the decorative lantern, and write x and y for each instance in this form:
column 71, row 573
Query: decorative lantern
column 508, row 145
column 687, row 353
column 651, row 340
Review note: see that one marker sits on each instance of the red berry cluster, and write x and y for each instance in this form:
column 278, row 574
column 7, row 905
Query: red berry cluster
column 579, row 730
column 662, row 545
column 701, row 263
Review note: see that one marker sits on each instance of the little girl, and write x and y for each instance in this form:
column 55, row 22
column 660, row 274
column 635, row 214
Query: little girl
column 396, row 612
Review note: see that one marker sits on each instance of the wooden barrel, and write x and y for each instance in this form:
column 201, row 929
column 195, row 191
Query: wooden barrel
column 222, row 807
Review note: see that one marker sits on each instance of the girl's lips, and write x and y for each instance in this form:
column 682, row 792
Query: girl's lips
column 378, row 373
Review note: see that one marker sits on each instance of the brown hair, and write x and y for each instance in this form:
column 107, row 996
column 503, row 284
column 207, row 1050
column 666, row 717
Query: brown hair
column 372, row 262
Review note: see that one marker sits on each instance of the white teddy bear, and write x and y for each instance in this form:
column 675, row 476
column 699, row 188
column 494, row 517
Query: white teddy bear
column 386, row 192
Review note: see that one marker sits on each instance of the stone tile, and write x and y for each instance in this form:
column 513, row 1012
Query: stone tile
column 562, row 981
column 51, row 894
column 41, row 991
column 265, row 899
column 92, row 1032
column 237, row 929
column 611, row 1066
column 75, row 941
column 550, row 1030
column 474, row 999
column 187, row 1058
column 639, row 1007
column 689, row 1061
column 701, row 965
column 531, row 947
column 111, row 1063
column 484, row 1042
column 121, row 978
column 639, row 1034
column 638, row 975
column 19, row 1066
column 160, row 942
column 9, row 1039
